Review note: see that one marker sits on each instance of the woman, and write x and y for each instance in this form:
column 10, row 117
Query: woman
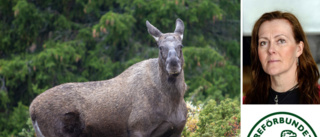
column 283, row 69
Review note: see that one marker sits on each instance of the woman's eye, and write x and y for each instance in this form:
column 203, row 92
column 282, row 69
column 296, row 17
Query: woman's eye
column 281, row 41
column 263, row 43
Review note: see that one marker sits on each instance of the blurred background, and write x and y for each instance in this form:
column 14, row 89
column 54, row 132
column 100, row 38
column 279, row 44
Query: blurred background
column 47, row 43
column 307, row 13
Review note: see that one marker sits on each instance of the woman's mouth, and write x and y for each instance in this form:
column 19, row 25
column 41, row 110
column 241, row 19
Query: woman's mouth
column 273, row 61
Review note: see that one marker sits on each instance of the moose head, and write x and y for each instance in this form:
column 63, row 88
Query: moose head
column 170, row 48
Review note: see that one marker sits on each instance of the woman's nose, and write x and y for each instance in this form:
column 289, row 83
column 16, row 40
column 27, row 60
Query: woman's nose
column 271, row 48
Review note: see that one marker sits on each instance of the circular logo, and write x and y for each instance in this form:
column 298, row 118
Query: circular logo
column 282, row 124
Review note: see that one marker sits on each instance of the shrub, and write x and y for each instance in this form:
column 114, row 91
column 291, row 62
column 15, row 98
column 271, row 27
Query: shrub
column 214, row 119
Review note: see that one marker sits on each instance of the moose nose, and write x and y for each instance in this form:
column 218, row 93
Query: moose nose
column 172, row 53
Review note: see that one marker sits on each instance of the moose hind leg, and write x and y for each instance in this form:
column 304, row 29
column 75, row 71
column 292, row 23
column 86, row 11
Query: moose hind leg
column 72, row 124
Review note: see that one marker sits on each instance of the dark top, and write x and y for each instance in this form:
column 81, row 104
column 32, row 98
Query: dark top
column 289, row 97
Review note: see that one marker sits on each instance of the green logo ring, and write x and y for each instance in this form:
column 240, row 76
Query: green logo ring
column 277, row 113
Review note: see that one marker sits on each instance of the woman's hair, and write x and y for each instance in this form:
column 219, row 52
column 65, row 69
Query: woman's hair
column 307, row 70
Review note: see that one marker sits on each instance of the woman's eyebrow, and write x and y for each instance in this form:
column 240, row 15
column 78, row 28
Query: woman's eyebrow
column 280, row 35
column 274, row 37
column 263, row 38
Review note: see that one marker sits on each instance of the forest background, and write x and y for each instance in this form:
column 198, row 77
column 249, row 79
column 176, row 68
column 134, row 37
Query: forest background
column 47, row 43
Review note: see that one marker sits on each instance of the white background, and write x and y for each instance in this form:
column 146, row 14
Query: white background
column 307, row 12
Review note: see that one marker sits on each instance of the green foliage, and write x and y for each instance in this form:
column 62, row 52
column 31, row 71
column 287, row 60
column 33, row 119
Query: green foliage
column 62, row 23
column 47, row 43
column 209, row 75
column 29, row 131
column 214, row 119
column 27, row 23
column 4, row 98
column 15, row 121
column 114, row 30
column 220, row 120
column 114, row 25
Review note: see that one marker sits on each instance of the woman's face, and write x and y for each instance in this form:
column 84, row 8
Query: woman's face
column 277, row 49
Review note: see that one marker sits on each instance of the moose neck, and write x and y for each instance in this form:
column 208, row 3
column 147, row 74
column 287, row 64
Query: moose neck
column 174, row 86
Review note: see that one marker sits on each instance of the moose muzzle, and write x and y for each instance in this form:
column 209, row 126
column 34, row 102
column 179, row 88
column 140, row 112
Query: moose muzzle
column 173, row 63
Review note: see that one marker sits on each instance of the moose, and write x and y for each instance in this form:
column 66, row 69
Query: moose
column 146, row 100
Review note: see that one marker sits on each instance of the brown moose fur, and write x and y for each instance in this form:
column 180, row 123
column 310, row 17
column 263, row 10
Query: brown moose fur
column 144, row 100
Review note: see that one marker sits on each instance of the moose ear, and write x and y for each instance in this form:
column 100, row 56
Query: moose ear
column 153, row 31
column 179, row 28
